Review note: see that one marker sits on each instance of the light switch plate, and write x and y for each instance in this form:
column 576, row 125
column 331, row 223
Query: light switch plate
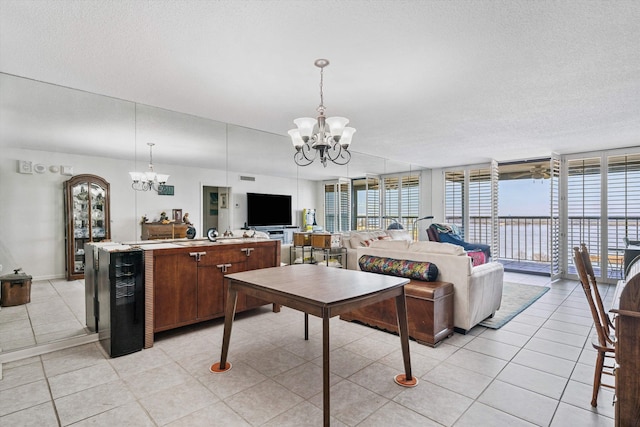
column 25, row 166
column 66, row 170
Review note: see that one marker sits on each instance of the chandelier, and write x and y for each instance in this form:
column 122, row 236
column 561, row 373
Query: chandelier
column 145, row 181
column 324, row 137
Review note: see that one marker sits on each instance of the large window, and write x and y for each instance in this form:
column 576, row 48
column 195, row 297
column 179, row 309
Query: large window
column 454, row 194
column 603, row 209
column 366, row 193
column 401, row 200
column 471, row 203
column 375, row 203
column 584, row 207
column 623, row 199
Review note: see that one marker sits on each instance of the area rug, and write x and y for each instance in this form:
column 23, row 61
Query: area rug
column 515, row 298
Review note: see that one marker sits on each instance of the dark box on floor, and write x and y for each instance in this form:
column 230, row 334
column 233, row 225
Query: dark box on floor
column 16, row 289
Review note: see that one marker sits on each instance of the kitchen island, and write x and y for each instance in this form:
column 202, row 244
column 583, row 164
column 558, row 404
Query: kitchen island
column 184, row 278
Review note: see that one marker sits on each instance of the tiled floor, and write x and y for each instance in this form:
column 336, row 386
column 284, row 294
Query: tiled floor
column 536, row 370
column 56, row 312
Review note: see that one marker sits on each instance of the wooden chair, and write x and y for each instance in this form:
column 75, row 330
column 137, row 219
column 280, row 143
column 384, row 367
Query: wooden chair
column 604, row 344
column 608, row 325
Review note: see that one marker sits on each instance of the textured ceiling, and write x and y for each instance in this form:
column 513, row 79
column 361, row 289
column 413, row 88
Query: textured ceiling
column 432, row 83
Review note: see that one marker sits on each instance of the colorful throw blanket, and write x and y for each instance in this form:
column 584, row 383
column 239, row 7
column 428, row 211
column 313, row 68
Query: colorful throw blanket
column 447, row 229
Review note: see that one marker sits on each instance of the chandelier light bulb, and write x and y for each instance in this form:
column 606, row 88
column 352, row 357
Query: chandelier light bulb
column 305, row 126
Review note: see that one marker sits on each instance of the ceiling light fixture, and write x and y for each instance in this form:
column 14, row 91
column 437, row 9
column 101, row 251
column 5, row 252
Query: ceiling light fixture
column 145, row 181
column 325, row 136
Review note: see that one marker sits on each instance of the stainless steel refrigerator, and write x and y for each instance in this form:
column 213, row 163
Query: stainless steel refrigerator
column 121, row 299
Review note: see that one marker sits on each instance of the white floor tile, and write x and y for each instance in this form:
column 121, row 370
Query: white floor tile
column 535, row 370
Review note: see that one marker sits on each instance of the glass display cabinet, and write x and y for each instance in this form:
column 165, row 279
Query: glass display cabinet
column 87, row 219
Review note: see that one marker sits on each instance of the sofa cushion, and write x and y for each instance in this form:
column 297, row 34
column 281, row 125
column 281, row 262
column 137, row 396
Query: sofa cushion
column 400, row 235
column 396, row 245
column 365, row 238
column 416, row 270
column 477, row 257
column 436, row 247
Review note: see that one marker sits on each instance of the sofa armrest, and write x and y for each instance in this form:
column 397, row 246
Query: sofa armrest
column 484, row 292
column 352, row 259
column 488, row 268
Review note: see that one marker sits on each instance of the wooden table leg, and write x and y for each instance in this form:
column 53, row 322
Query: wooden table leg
column 325, row 369
column 306, row 326
column 405, row 380
column 230, row 312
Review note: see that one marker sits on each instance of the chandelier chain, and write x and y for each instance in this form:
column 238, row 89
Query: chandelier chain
column 321, row 106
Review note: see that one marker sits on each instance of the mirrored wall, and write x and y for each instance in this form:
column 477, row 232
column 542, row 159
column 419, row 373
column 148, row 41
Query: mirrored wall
column 60, row 132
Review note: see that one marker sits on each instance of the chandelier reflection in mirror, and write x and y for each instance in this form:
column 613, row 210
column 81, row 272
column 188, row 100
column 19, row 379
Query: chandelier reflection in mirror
column 149, row 180
column 325, row 137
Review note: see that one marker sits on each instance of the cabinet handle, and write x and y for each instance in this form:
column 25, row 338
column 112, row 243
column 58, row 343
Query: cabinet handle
column 247, row 251
column 223, row 267
column 197, row 255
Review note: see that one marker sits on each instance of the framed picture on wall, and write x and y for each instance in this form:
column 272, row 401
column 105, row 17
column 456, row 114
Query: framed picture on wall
column 177, row 215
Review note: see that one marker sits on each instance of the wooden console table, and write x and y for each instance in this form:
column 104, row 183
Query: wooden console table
column 157, row 230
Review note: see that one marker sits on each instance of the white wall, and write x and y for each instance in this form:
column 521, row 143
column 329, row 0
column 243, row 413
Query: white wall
column 32, row 224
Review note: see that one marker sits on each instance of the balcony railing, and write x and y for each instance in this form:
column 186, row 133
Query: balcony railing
column 527, row 239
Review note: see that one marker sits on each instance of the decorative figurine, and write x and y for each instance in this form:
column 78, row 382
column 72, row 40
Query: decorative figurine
column 163, row 218
column 186, row 219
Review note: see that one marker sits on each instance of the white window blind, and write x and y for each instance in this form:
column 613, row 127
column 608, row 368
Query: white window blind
column 337, row 206
column 454, row 189
column 391, row 201
column 623, row 208
column 553, row 231
column 367, row 203
column 584, row 206
column 471, row 202
column 401, row 200
column 480, row 227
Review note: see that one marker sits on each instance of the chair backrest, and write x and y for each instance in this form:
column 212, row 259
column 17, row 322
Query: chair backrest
column 579, row 259
column 432, row 233
column 606, row 321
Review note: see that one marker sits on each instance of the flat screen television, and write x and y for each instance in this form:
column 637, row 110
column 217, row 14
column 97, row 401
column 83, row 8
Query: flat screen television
column 268, row 209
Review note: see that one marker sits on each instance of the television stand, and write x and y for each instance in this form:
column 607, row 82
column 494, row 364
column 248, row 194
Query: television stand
column 284, row 233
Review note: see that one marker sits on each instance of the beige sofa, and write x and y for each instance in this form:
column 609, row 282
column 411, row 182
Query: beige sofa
column 353, row 240
column 477, row 290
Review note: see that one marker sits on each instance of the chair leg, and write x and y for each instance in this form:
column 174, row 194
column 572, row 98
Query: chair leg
column 597, row 378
